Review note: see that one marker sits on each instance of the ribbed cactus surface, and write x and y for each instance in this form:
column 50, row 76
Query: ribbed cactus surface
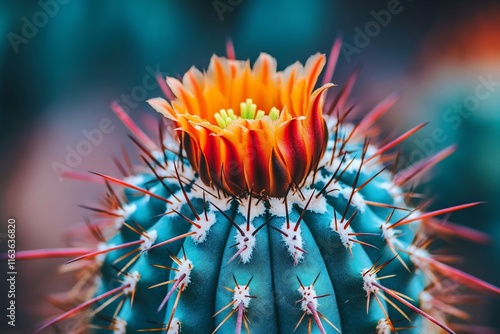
column 306, row 259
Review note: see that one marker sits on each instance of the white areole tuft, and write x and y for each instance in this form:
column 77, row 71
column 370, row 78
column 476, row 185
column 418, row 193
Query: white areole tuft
column 149, row 239
column 205, row 223
column 120, row 326
column 241, row 296
column 293, row 241
column 384, row 327
column 245, row 242
column 183, row 273
column 125, row 212
column 131, row 280
column 308, row 296
column 369, row 280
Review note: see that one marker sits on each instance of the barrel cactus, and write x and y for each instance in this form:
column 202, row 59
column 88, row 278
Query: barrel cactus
column 264, row 211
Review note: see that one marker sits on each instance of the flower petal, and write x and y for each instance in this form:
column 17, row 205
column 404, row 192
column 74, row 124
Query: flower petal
column 279, row 176
column 257, row 154
column 163, row 107
column 233, row 176
column 313, row 68
column 315, row 129
column 293, row 149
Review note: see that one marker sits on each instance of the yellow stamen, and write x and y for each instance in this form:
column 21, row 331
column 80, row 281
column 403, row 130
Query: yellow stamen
column 248, row 110
column 224, row 117
column 274, row 114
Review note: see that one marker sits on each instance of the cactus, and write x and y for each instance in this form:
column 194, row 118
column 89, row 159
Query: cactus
column 266, row 212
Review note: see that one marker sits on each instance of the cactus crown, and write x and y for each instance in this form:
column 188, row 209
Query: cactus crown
column 281, row 218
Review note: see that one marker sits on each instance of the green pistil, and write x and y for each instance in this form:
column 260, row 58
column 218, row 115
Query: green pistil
column 248, row 110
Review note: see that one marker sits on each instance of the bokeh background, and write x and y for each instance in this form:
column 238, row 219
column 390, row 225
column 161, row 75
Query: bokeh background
column 62, row 62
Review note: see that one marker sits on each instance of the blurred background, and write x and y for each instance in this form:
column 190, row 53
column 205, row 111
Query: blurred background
column 62, row 62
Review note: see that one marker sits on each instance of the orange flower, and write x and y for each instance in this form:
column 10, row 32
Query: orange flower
column 250, row 129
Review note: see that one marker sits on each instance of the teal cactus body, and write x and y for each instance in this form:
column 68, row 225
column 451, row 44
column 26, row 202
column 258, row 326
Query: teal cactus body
column 280, row 218
column 253, row 246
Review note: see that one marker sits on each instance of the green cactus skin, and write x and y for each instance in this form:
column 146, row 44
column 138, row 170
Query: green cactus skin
column 342, row 251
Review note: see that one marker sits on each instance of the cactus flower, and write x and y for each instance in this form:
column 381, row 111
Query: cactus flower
column 250, row 129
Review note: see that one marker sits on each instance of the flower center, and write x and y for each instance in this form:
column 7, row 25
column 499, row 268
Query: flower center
column 248, row 110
